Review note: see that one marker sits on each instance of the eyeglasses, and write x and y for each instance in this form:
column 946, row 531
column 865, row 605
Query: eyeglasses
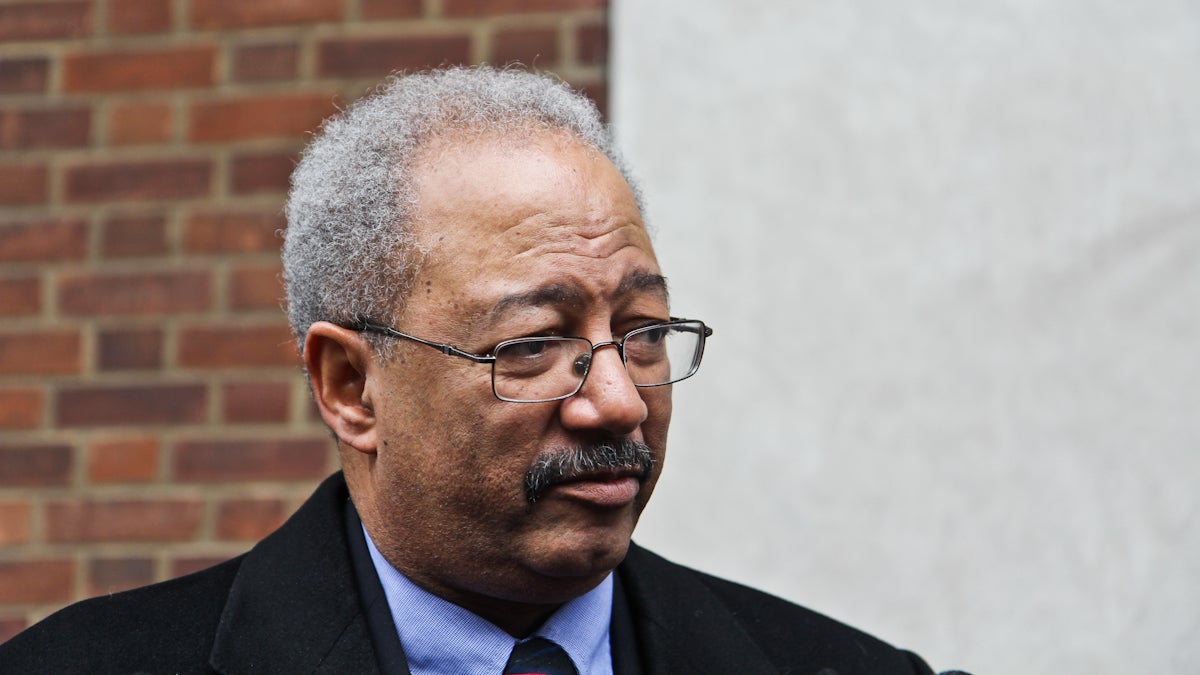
column 540, row 369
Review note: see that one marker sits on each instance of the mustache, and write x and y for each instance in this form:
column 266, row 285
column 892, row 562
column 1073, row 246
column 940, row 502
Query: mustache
column 562, row 464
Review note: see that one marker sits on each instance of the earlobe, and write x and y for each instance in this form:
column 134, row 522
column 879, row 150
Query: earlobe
column 339, row 363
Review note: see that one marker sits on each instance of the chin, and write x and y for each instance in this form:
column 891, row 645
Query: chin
column 583, row 556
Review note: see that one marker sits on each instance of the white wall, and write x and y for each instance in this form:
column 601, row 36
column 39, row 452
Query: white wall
column 951, row 252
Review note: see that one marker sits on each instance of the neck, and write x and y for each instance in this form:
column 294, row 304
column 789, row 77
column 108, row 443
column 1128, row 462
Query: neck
column 517, row 619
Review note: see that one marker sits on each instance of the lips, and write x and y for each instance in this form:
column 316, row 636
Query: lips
column 600, row 489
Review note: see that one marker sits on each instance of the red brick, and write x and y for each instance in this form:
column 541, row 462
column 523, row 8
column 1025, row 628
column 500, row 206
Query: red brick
column 130, row 349
column 182, row 68
column 83, row 294
column 43, row 240
column 233, row 232
column 255, row 402
column 22, row 296
column 249, row 519
column 592, row 45
column 40, row 20
column 222, row 461
column 237, row 347
column 390, row 9
column 21, row 408
column 113, row 575
column 123, row 460
column 32, row 128
column 281, row 116
column 23, row 184
column 256, row 287
column 192, row 564
column 126, row 17
column 134, row 123
column 14, row 523
column 42, row 352
column 498, row 7
column 24, row 75
column 531, row 46
column 265, row 63
column 256, row 172
column 36, row 581
column 10, row 626
column 359, row 57
column 163, row 179
column 93, row 520
column 227, row 14
column 134, row 235
column 35, row 465
column 102, row 406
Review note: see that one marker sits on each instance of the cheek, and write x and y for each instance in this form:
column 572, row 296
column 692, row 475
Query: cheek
column 424, row 454
column 488, row 448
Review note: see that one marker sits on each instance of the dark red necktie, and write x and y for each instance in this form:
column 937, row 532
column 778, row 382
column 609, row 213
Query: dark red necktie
column 539, row 656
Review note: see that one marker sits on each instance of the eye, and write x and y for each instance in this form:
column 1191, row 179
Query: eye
column 647, row 346
column 527, row 349
column 650, row 335
column 535, row 357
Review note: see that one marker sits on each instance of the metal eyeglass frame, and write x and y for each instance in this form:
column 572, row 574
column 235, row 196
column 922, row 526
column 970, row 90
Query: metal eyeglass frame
column 450, row 350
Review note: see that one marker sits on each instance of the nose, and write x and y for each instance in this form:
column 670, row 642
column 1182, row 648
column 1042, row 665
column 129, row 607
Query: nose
column 608, row 400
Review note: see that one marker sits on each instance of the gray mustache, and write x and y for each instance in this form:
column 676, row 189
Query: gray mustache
column 563, row 464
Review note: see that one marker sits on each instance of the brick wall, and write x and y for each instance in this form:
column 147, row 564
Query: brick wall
column 152, row 418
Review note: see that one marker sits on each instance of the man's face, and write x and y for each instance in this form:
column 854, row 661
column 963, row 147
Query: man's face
column 528, row 237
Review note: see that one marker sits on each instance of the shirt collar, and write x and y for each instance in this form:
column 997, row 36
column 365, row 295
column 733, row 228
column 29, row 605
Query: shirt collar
column 441, row 637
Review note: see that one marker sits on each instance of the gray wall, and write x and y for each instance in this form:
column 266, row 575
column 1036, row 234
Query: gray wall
column 951, row 252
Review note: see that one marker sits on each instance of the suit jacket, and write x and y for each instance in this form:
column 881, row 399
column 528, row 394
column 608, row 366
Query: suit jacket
column 301, row 602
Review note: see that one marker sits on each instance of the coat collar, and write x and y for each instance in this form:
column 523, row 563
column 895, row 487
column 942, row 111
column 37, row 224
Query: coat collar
column 293, row 606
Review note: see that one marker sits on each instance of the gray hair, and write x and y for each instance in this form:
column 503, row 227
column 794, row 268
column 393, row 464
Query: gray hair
column 349, row 253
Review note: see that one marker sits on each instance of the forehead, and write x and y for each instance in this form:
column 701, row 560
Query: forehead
column 524, row 172
column 504, row 216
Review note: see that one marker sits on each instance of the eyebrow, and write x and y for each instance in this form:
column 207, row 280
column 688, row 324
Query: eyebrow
column 641, row 280
column 563, row 294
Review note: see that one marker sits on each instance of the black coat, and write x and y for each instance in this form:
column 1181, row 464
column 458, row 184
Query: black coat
column 292, row 605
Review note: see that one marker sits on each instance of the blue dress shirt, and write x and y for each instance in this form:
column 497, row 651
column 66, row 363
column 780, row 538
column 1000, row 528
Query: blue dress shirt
column 440, row 637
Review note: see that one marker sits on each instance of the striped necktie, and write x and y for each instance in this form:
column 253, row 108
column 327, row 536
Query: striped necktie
column 539, row 656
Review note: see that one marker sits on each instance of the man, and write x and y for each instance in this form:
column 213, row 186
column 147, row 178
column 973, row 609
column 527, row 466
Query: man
column 486, row 332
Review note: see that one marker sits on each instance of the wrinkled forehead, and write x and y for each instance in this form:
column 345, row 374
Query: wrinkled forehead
column 544, row 190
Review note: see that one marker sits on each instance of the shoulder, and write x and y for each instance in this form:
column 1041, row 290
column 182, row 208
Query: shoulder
column 788, row 635
column 293, row 592
column 780, row 626
column 168, row 626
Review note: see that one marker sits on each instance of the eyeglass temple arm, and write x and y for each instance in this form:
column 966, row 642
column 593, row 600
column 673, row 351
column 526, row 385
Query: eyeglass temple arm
column 448, row 350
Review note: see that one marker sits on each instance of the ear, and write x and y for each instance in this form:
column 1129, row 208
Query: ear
column 340, row 365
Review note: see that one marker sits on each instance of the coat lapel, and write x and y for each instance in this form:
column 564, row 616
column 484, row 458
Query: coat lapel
column 681, row 626
column 293, row 606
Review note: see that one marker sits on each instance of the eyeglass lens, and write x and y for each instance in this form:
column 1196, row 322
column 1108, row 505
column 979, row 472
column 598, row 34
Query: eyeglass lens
column 543, row 369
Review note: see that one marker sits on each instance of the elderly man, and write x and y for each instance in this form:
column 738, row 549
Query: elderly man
column 487, row 334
